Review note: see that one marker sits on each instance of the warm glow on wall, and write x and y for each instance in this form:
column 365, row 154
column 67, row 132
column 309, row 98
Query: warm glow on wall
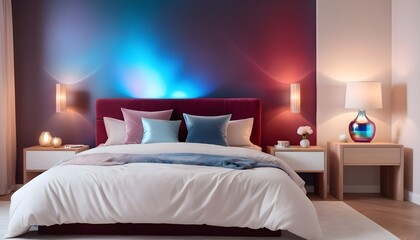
column 295, row 98
column 60, row 97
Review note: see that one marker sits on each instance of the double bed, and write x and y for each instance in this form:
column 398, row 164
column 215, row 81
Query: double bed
column 231, row 185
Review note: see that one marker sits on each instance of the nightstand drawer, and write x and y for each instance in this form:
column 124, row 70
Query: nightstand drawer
column 372, row 156
column 43, row 160
column 303, row 161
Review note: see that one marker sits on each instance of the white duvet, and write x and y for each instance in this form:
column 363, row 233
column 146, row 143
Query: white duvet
column 165, row 193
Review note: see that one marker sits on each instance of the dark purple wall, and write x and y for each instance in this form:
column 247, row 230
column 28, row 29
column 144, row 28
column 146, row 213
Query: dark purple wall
column 161, row 49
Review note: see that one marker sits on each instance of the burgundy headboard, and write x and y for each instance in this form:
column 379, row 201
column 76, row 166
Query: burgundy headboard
column 239, row 108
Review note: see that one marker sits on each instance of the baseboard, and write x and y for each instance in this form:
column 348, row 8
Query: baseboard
column 412, row 197
column 361, row 188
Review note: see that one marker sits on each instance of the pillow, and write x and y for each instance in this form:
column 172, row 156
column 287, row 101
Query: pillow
column 133, row 124
column 239, row 132
column 155, row 131
column 115, row 130
column 203, row 129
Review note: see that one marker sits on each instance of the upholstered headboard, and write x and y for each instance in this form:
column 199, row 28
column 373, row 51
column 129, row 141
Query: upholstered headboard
column 239, row 108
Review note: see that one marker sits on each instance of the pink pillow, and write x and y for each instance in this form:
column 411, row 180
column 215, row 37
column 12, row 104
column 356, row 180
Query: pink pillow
column 134, row 126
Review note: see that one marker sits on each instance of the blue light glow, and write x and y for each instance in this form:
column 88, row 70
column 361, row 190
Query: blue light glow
column 142, row 82
column 179, row 94
column 143, row 72
column 121, row 54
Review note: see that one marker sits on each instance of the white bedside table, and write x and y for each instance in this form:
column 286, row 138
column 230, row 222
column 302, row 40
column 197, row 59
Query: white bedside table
column 37, row 159
column 306, row 160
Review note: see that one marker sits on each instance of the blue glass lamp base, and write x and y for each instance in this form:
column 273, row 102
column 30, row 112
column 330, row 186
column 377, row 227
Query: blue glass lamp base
column 362, row 129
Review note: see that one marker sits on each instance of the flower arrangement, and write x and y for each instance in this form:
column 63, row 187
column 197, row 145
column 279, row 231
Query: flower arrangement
column 304, row 131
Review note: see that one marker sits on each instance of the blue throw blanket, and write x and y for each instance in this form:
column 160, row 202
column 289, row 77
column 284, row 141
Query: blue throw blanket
column 103, row 159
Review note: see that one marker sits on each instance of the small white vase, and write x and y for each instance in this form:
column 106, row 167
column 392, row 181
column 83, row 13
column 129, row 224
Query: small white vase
column 305, row 143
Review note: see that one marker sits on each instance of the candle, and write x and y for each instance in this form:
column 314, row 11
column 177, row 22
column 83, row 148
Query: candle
column 56, row 142
column 45, row 139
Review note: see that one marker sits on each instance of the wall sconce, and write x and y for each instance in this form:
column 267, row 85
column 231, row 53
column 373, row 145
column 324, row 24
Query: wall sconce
column 362, row 96
column 295, row 97
column 60, row 98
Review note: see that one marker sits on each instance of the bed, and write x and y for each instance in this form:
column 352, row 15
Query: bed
column 118, row 194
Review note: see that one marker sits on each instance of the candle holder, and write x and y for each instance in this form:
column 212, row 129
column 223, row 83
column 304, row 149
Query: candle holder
column 45, row 139
column 56, row 142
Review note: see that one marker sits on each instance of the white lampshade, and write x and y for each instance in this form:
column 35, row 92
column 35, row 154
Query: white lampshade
column 363, row 95
column 295, row 98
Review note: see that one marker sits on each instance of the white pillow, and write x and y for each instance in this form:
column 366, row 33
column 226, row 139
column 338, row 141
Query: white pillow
column 239, row 132
column 115, row 129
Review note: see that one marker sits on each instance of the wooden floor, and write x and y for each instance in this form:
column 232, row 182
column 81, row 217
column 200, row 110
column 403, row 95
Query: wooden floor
column 400, row 218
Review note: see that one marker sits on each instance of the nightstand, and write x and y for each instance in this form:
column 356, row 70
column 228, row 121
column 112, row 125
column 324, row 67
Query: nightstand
column 37, row 159
column 389, row 156
column 306, row 160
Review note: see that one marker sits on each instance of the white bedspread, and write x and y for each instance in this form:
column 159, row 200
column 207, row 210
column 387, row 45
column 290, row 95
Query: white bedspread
column 164, row 193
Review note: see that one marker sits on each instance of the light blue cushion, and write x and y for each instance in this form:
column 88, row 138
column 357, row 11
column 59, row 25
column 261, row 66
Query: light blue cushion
column 155, row 131
column 210, row 130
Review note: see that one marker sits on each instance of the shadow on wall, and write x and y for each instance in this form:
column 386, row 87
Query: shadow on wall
column 399, row 110
column 79, row 101
column 70, row 126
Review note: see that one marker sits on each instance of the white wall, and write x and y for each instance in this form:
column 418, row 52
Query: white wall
column 406, row 88
column 353, row 44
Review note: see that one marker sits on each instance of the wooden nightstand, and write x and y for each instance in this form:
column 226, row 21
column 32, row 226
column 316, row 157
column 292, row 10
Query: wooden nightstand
column 37, row 159
column 306, row 160
column 389, row 156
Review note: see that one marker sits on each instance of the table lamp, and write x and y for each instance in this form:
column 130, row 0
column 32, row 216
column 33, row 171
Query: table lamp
column 362, row 96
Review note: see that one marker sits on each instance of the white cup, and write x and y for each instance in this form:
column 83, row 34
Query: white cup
column 284, row 144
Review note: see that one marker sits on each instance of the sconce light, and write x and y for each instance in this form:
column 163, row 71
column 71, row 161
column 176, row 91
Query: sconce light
column 60, row 98
column 295, row 97
column 362, row 96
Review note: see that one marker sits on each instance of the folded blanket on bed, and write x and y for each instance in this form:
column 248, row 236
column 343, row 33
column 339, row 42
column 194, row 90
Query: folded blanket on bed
column 105, row 159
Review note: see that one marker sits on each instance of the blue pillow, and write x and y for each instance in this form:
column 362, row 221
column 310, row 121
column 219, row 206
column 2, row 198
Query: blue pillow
column 155, row 131
column 210, row 130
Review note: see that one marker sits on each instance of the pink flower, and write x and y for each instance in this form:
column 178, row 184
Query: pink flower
column 304, row 131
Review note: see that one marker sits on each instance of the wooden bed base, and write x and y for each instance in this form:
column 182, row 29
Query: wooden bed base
column 154, row 229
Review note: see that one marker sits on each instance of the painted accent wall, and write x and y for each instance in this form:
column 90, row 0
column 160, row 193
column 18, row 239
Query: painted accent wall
column 161, row 49
column 405, row 89
column 353, row 44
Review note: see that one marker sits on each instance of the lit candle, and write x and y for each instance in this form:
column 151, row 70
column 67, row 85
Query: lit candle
column 56, row 142
column 45, row 139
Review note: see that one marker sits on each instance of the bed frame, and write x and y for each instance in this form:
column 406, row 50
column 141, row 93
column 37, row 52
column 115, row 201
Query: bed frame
column 239, row 108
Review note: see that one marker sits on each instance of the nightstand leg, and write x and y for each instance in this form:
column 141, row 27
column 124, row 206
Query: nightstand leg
column 392, row 182
column 335, row 172
column 321, row 185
